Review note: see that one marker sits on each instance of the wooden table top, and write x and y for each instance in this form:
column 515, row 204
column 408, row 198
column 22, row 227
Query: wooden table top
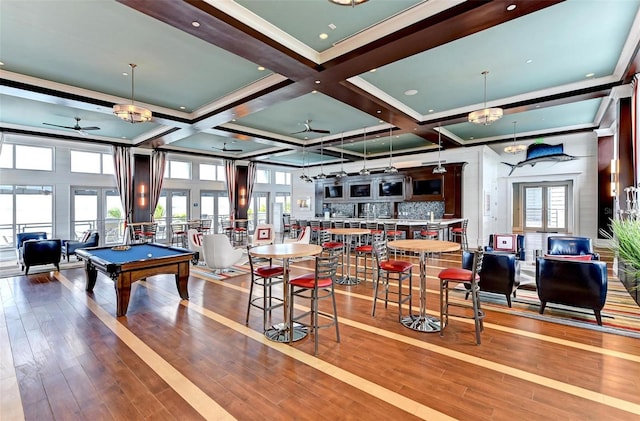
column 278, row 251
column 348, row 231
column 424, row 245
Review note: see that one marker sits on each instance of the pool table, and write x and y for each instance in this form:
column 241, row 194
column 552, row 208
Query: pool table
column 137, row 262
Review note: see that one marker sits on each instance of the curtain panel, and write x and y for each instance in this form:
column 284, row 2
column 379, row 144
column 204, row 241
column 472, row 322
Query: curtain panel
column 158, row 161
column 251, row 179
column 230, row 167
column 122, row 162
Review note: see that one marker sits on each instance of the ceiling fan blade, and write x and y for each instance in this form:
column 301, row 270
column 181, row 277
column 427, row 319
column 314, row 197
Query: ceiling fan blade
column 57, row 125
column 320, row 131
column 90, row 128
column 301, row 131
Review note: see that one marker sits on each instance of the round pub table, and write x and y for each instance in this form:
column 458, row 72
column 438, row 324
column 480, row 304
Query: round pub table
column 284, row 332
column 423, row 322
column 348, row 233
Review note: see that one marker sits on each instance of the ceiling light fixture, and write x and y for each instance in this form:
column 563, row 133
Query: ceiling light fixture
column 131, row 112
column 364, row 170
column 390, row 169
column 322, row 175
column 439, row 169
column 304, row 177
column 352, row 3
column 514, row 149
column 486, row 115
column 342, row 172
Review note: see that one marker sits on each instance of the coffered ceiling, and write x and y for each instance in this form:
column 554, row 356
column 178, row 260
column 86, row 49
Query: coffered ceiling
column 250, row 73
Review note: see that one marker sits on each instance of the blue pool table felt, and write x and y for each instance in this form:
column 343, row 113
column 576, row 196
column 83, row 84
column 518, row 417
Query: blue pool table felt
column 136, row 252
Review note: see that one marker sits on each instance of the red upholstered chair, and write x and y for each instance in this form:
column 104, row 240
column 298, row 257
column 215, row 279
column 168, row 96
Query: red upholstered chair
column 450, row 278
column 388, row 269
column 265, row 275
column 459, row 234
column 316, row 286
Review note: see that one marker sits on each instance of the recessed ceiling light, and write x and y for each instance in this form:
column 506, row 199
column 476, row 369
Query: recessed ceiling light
column 511, row 7
column 314, row 92
column 431, row 110
column 183, row 107
column 323, row 36
column 379, row 111
column 372, row 70
column 1, row 63
column 233, row 119
column 317, row 82
column 261, row 68
column 410, row 92
column 123, row 137
column 380, row 121
column 590, row 75
column 195, row 24
column 471, row 138
column 332, row 26
column 529, row 61
column 125, row 74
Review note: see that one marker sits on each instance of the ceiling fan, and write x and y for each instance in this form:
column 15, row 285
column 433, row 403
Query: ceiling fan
column 77, row 127
column 308, row 129
column 225, row 149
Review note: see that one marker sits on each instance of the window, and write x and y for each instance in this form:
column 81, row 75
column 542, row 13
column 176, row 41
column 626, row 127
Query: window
column 6, row 156
column 285, row 199
column 178, row 169
column 212, row 172
column 34, row 158
column 91, row 162
column 263, row 176
column 107, row 164
column 283, row 178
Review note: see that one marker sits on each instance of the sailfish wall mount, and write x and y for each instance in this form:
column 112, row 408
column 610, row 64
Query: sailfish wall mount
column 541, row 152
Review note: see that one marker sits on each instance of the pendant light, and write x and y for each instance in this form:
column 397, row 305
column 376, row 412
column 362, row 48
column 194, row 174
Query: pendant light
column 486, row 115
column 342, row 172
column 514, row 149
column 439, row 169
column 322, row 175
column 364, row 170
column 131, row 112
column 304, row 177
column 390, row 169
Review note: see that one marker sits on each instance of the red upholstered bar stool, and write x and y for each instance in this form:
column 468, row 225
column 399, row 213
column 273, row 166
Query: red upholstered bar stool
column 149, row 232
column 450, row 278
column 373, row 227
column 459, row 234
column 240, row 233
column 316, row 286
column 333, row 248
column 366, row 251
column 265, row 275
column 315, row 232
column 391, row 232
column 227, row 228
column 388, row 269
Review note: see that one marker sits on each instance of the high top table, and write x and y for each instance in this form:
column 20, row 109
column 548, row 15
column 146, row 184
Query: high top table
column 281, row 332
column 422, row 322
column 348, row 234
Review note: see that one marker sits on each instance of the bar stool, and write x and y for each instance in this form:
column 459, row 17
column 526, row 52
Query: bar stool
column 315, row 287
column 363, row 251
column 265, row 276
column 460, row 233
column 333, row 248
column 391, row 232
column 286, row 225
column 400, row 270
column 449, row 280
column 227, row 228
column 315, row 231
column 430, row 232
column 149, row 232
column 373, row 227
column 240, row 233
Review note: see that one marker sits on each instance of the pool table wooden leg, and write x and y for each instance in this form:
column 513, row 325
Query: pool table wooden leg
column 91, row 276
column 182, row 277
column 123, row 291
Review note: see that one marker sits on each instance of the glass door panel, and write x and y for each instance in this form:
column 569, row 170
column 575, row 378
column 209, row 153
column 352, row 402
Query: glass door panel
column 546, row 207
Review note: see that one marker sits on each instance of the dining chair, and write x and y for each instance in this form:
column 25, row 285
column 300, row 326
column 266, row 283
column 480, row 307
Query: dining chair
column 316, row 286
column 459, row 234
column 148, row 233
column 450, row 278
column 264, row 274
column 388, row 270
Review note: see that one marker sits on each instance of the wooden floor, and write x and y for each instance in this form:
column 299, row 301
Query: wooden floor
column 64, row 355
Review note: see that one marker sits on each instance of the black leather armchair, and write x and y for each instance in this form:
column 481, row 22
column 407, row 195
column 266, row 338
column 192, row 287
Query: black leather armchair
column 570, row 246
column 21, row 237
column 500, row 273
column 520, row 250
column 40, row 252
column 573, row 283
column 69, row 247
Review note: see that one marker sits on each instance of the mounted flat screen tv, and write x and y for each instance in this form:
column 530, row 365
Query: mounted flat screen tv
column 360, row 190
column 332, row 192
column 427, row 187
column 390, row 188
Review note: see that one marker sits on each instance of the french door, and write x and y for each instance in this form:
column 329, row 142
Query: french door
column 98, row 209
column 546, row 206
column 258, row 212
column 214, row 205
column 173, row 207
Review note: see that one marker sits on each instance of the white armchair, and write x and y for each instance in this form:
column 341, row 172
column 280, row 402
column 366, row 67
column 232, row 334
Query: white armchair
column 219, row 254
column 195, row 242
column 264, row 234
column 303, row 238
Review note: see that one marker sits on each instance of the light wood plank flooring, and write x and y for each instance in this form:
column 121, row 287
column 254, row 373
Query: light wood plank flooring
column 64, row 356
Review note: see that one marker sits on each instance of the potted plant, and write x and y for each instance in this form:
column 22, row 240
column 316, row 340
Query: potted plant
column 625, row 242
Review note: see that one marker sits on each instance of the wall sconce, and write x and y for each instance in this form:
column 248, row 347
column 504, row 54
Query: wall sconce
column 243, row 196
column 142, row 197
column 614, row 170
